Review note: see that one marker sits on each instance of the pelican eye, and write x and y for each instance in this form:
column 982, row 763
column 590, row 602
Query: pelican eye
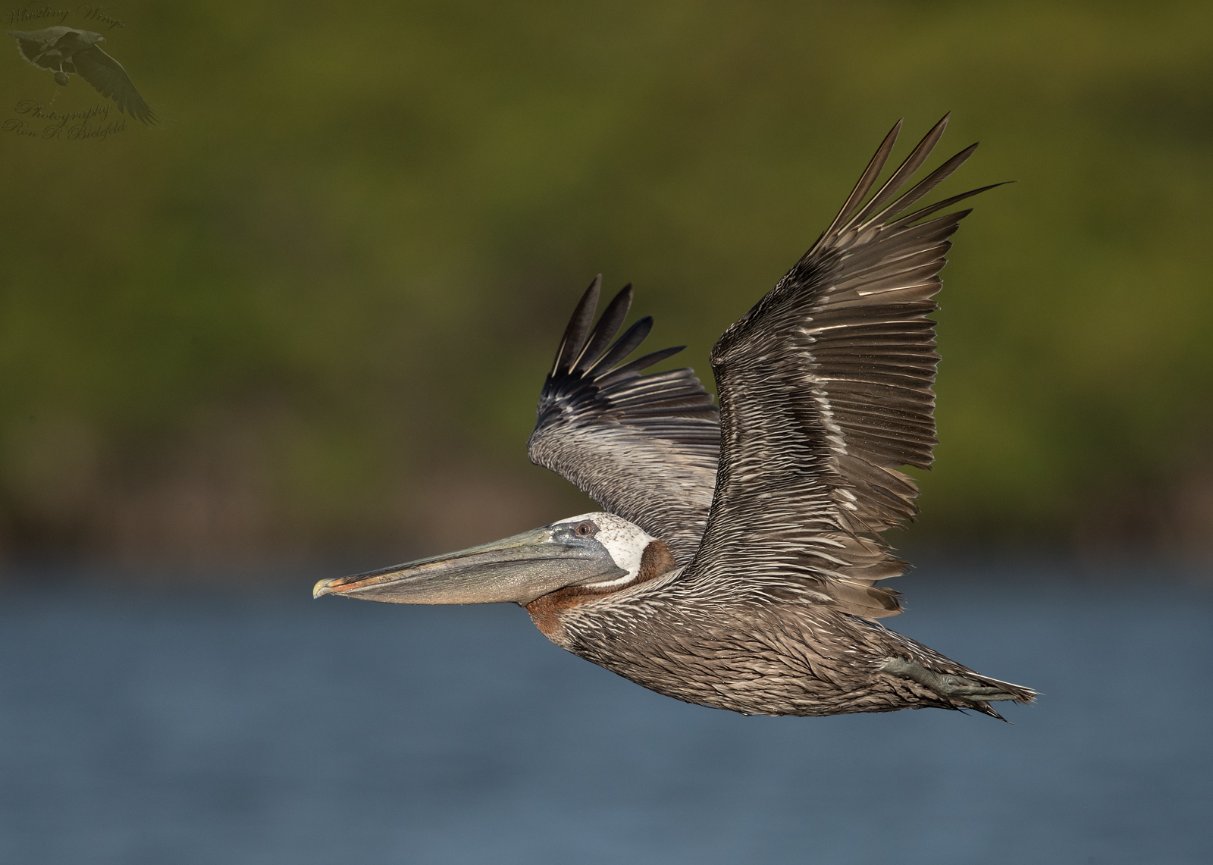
column 586, row 529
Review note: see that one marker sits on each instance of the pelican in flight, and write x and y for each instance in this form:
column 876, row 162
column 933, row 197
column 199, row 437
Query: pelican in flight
column 737, row 558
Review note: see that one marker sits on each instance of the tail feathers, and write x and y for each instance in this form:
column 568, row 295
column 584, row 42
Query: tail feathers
column 962, row 688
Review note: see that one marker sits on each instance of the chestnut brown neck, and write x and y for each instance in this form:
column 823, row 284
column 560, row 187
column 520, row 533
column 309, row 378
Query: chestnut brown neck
column 547, row 610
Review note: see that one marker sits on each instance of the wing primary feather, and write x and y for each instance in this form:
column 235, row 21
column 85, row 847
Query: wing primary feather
column 641, row 363
column 863, row 186
column 608, row 325
column 924, row 212
column 908, row 166
column 922, row 187
column 625, row 345
column 579, row 326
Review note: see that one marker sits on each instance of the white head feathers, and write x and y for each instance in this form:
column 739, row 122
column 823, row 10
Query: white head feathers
column 625, row 541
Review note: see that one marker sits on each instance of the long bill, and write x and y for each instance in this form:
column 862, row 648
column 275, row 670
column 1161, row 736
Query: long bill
column 516, row 569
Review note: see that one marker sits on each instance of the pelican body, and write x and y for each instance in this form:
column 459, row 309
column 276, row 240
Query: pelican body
column 736, row 561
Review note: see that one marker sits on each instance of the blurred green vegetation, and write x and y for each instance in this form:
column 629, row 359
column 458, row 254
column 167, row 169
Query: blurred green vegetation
column 312, row 310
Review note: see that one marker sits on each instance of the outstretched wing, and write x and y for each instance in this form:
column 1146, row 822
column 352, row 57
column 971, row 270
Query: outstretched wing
column 110, row 79
column 33, row 45
column 826, row 388
column 643, row 446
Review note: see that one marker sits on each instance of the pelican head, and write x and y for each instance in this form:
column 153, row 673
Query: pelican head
column 596, row 552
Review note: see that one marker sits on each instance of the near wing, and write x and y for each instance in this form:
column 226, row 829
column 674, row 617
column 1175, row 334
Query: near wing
column 643, row 446
column 826, row 387
column 107, row 75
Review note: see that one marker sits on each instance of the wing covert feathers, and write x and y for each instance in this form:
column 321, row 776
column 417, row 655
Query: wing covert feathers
column 826, row 389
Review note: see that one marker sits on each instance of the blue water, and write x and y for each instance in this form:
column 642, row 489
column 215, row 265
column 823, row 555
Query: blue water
column 261, row 727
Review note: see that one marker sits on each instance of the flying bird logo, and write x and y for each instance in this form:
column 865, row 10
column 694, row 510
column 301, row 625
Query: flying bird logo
column 66, row 51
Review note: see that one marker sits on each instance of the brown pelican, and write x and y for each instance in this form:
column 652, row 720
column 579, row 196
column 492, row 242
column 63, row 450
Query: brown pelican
column 66, row 50
column 748, row 585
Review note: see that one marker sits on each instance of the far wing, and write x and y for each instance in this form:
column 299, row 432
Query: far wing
column 29, row 49
column 644, row 446
column 32, row 48
column 110, row 79
column 826, row 388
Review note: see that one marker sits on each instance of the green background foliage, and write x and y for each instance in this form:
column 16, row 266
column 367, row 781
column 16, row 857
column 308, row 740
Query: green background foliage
column 310, row 312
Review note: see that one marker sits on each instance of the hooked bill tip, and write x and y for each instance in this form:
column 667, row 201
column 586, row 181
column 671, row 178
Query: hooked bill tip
column 321, row 588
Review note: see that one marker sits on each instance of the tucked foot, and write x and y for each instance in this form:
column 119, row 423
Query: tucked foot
column 967, row 690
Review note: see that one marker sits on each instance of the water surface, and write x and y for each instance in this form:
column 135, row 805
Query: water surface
column 236, row 727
